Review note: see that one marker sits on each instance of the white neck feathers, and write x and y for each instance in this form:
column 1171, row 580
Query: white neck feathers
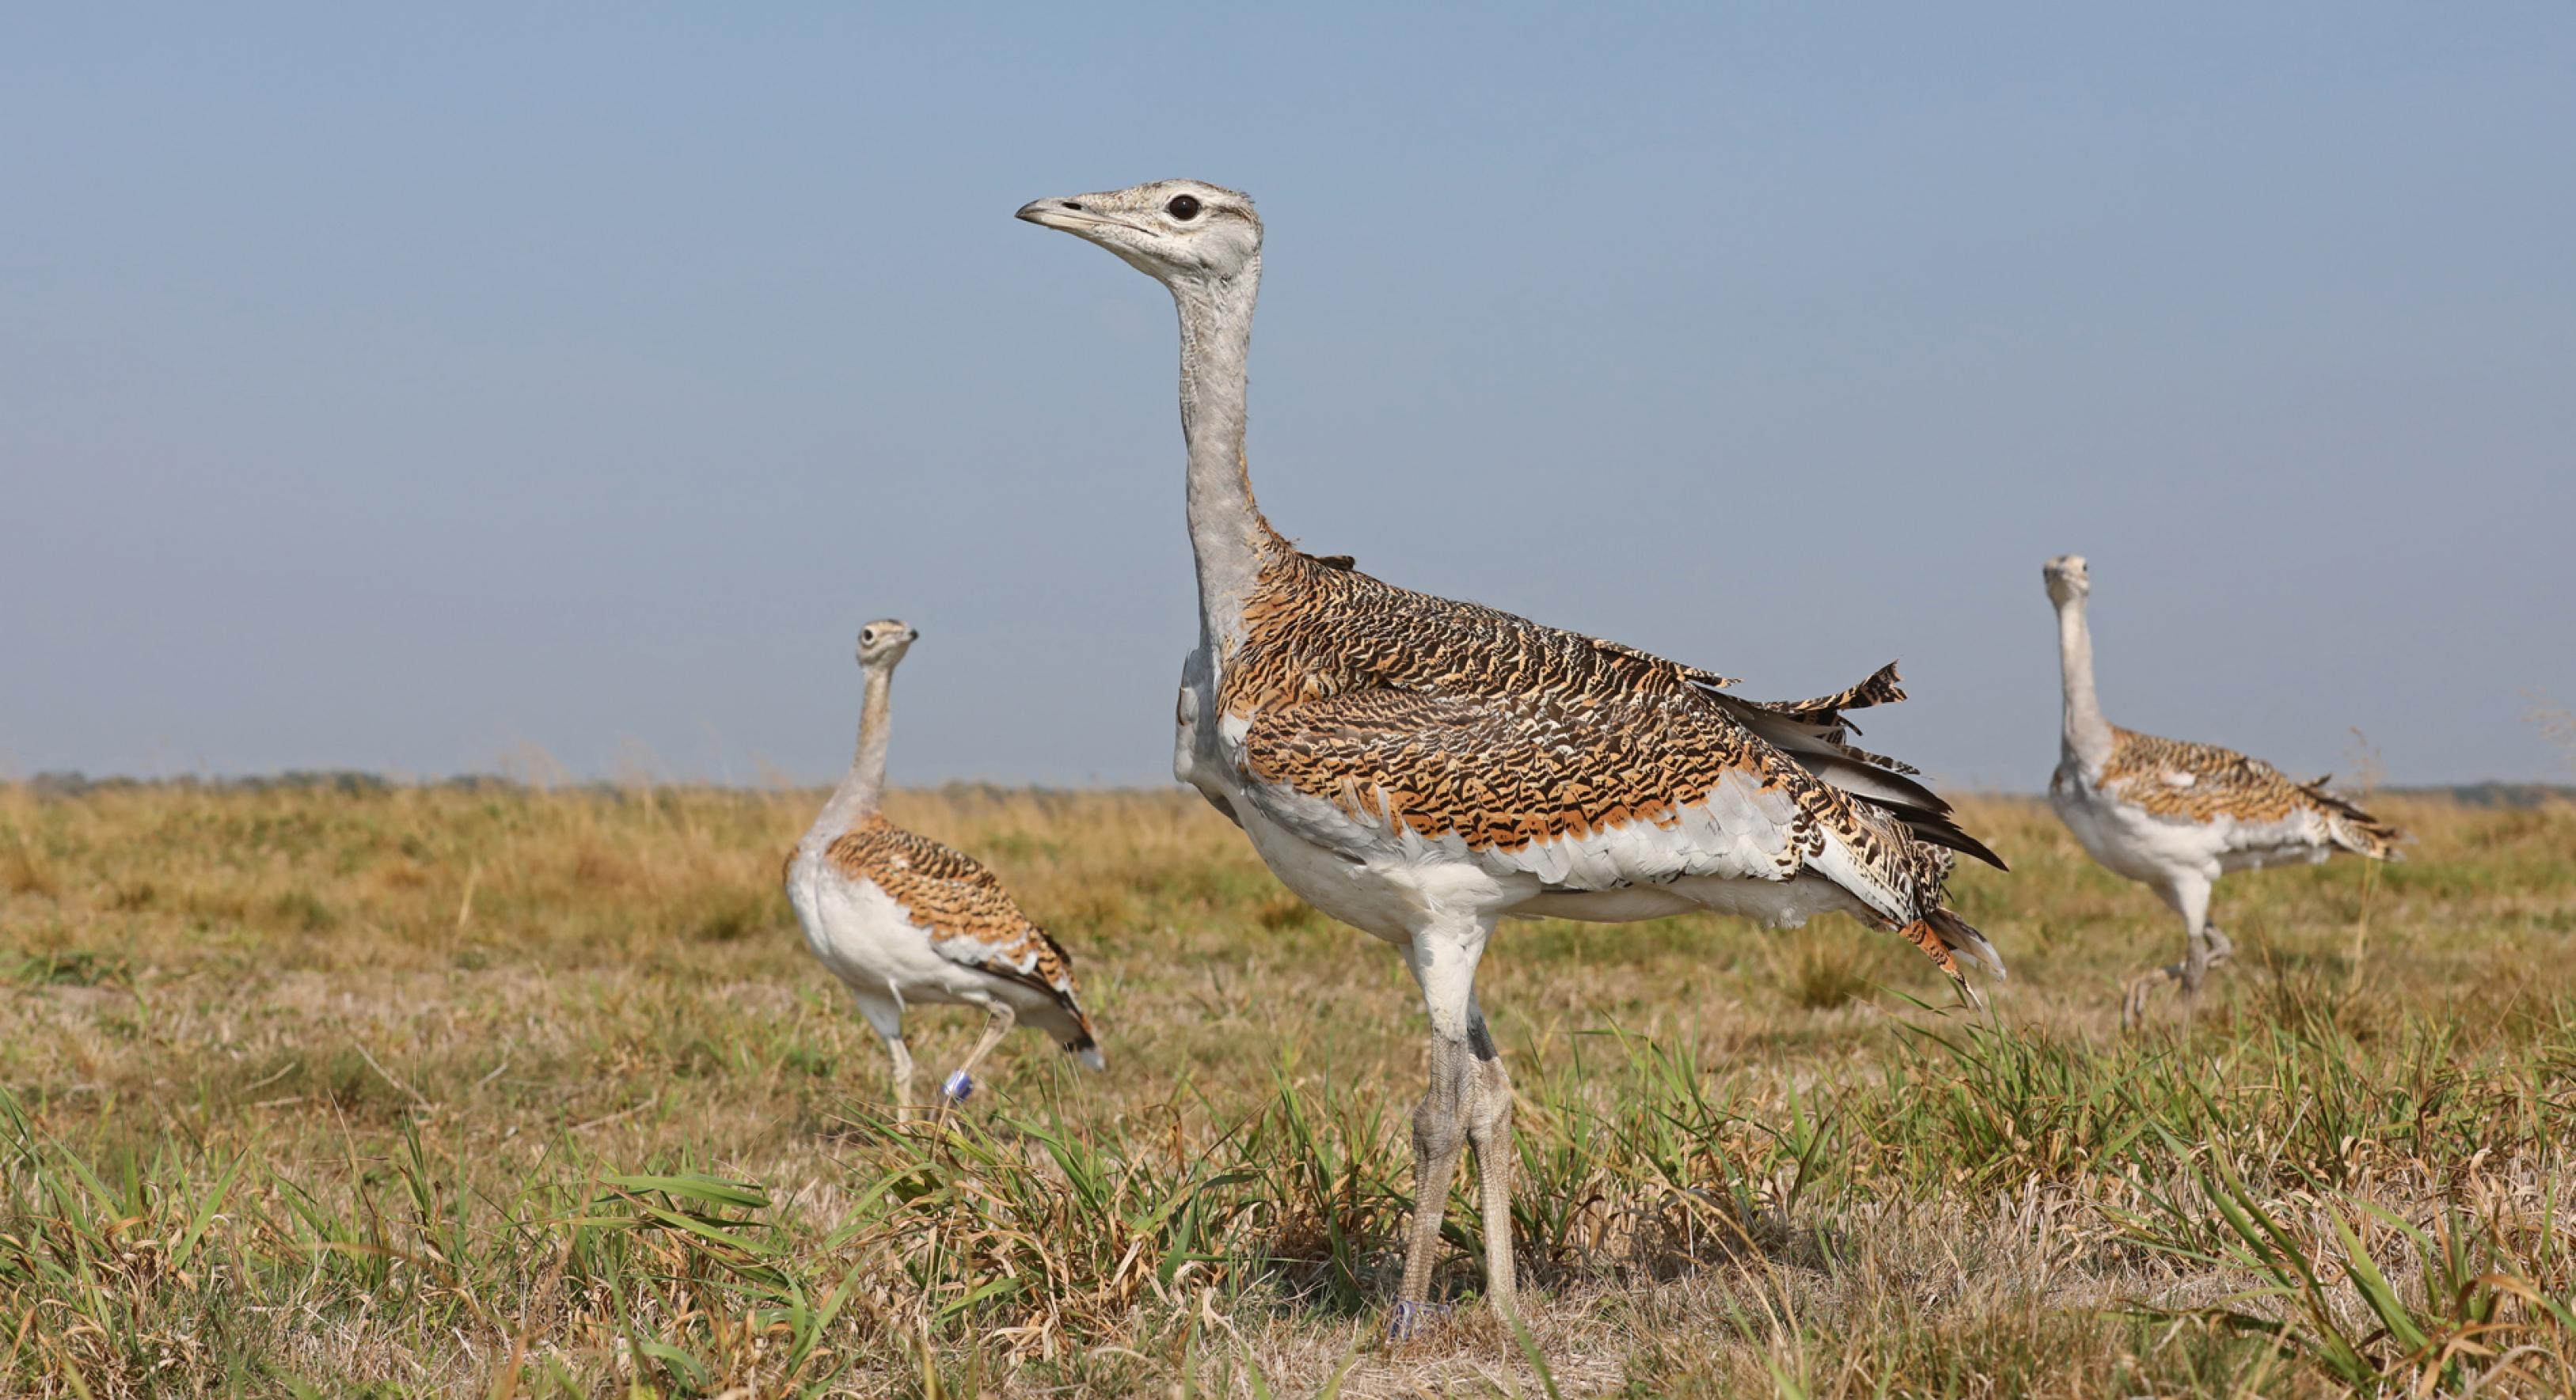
column 1227, row 532
column 863, row 786
column 2085, row 736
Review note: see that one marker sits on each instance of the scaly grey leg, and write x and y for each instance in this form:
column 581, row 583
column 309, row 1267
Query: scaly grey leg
column 1443, row 955
column 1489, row 1131
column 885, row 1015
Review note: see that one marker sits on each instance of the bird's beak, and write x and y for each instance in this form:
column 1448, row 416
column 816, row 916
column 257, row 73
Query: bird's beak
column 1076, row 214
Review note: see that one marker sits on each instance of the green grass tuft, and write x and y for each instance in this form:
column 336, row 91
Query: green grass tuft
column 376, row 1090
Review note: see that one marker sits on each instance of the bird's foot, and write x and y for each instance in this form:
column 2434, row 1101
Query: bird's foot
column 2133, row 1002
column 1411, row 1319
column 960, row 1085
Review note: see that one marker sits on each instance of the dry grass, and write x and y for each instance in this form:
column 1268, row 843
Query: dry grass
column 416, row 1090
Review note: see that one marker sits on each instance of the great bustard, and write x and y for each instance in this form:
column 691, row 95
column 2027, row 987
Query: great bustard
column 1421, row 768
column 903, row 919
column 2175, row 816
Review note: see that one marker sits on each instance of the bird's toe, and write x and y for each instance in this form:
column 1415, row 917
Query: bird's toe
column 1411, row 1319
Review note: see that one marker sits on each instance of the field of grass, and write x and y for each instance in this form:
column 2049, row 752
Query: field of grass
column 498, row 1091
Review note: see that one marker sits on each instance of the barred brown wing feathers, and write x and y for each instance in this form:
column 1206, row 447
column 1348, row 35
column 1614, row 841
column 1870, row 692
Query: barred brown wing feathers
column 1452, row 719
column 886, row 844
column 1425, row 761
column 2204, row 783
column 2197, row 782
column 1705, row 680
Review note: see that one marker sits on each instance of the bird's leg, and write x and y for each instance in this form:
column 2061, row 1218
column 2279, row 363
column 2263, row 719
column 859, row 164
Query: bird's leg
column 1439, row 1133
column 884, row 1014
column 2191, row 900
column 2189, row 897
column 902, row 1078
column 1489, row 1131
column 1443, row 959
column 962, row 1083
column 2195, row 967
column 2220, row 949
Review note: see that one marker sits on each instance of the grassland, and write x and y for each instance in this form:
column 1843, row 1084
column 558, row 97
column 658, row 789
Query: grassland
column 499, row 1091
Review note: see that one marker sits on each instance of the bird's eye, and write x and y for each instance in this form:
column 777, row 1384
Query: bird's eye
column 1183, row 207
column 869, row 635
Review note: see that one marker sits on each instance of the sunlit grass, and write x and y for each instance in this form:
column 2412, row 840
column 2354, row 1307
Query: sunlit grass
column 537, row 1093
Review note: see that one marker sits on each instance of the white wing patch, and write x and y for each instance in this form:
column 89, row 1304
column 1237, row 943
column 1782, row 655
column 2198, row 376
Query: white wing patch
column 1835, row 863
column 1739, row 830
column 2177, row 778
column 2297, row 839
column 1022, row 954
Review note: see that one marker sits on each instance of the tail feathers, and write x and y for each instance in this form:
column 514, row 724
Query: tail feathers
column 1881, row 688
column 1944, row 937
column 1069, row 1023
column 1942, row 830
column 1815, row 735
column 2353, row 829
column 1080, row 1043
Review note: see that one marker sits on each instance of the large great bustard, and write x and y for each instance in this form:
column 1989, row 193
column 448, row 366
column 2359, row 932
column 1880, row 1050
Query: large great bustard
column 2175, row 816
column 901, row 918
column 1421, row 768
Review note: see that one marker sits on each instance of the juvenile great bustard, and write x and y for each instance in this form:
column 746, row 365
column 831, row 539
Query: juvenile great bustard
column 2175, row 816
column 903, row 919
column 1422, row 768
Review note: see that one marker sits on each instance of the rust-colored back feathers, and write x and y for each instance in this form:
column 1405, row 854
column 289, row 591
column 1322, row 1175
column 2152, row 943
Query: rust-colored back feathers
column 2204, row 782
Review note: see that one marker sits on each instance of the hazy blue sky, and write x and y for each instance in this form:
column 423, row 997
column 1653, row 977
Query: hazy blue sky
column 393, row 388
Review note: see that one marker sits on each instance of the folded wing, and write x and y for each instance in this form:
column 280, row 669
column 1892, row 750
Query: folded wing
column 972, row 919
column 1636, row 790
column 2255, row 805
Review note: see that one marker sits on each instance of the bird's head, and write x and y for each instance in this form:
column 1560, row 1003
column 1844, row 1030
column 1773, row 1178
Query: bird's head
column 1174, row 231
column 883, row 642
column 2067, row 578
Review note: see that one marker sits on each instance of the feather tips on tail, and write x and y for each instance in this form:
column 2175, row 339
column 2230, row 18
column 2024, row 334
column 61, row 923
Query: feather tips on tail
column 1944, row 937
column 1880, row 688
column 1815, row 734
column 2351, row 828
column 1084, row 1044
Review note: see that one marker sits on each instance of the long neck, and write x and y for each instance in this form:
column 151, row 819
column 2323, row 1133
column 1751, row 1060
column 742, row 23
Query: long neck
column 2086, row 735
column 1227, row 532
column 864, row 785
